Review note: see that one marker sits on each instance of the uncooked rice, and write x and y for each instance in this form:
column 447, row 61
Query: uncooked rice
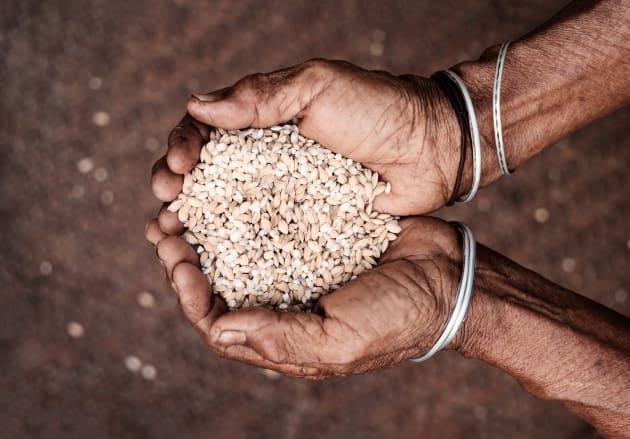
column 278, row 220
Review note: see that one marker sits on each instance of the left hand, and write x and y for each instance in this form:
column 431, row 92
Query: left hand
column 389, row 314
column 402, row 127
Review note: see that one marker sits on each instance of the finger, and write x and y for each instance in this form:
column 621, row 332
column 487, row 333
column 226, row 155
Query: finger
column 394, row 201
column 184, row 144
column 153, row 233
column 169, row 222
column 261, row 100
column 299, row 339
column 165, row 184
column 433, row 237
column 196, row 300
column 391, row 202
column 172, row 250
column 244, row 354
column 202, row 308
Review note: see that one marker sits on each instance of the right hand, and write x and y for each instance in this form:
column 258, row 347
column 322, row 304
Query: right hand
column 401, row 127
column 387, row 315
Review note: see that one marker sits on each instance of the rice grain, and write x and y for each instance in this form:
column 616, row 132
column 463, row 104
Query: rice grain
column 278, row 220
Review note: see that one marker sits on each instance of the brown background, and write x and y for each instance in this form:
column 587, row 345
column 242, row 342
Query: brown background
column 148, row 56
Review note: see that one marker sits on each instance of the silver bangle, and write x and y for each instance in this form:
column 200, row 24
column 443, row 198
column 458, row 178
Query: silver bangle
column 464, row 293
column 474, row 135
column 496, row 109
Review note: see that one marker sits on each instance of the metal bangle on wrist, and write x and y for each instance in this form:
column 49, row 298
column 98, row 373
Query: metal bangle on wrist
column 466, row 283
column 496, row 109
column 462, row 104
column 456, row 91
column 474, row 135
column 464, row 294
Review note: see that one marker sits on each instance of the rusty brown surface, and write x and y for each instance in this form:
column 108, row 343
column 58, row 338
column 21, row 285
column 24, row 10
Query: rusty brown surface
column 148, row 57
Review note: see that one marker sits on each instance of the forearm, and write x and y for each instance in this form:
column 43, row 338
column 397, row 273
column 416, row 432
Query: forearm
column 558, row 78
column 557, row 344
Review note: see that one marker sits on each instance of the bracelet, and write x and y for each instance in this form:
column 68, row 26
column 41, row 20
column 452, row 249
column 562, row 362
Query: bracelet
column 496, row 109
column 464, row 293
column 451, row 91
column 474, row 131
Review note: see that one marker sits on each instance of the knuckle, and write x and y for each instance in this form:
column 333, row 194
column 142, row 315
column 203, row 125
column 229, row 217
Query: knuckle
column 179, row 162
column 318, row 66
column 166, row 246
column 186, row 134
column 251, row 84
column 176, row 135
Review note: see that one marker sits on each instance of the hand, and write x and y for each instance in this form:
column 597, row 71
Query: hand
column 401, row 127
column 389, row 314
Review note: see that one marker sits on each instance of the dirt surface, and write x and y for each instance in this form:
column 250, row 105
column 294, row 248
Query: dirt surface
column 106, row 80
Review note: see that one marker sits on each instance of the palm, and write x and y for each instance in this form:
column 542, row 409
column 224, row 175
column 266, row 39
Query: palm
column 373, row 314
column 382, row 121
column 385, row 316
column 373, row 117
column 390, row 125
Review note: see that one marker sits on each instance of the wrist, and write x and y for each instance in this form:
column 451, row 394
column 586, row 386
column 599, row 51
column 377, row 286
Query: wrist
column 450, row 141
column 443, row 137
column 499, row 303
column 475, row 337
column 479, row 79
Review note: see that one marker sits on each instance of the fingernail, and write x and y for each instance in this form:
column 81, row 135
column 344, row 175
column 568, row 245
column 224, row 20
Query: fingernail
column 211, row 97
column 229, row 338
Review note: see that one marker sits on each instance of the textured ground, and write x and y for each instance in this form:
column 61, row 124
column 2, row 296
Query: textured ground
column 106, row 80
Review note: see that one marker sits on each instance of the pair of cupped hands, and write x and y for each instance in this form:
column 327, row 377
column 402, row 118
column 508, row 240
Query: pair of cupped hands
column 400, row 126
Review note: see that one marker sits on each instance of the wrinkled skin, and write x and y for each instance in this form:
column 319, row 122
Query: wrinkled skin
column 401, row 127
column 387, row 315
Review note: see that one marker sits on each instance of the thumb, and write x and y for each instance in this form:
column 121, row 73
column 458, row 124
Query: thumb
column 281, row 338
column 259, row 100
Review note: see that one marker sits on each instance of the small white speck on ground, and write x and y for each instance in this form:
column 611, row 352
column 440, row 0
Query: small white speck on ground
column 621, row 296
column 377, row 49
column 568, row 265
column 95, row 83
column 100, row 118
column 541, row 215
column 85, row 165
column 271, row 374
column 75, row 329
column 146, row 299
column 151, row 144
column 378, row 35
column 133, row 363
column 148, row 372
column 100, row 174
column 107, row 197
column 45, row 268
column 77, row 191
column 483, row 204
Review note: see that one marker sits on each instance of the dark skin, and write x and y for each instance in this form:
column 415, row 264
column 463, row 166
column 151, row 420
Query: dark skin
column 556, row 343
